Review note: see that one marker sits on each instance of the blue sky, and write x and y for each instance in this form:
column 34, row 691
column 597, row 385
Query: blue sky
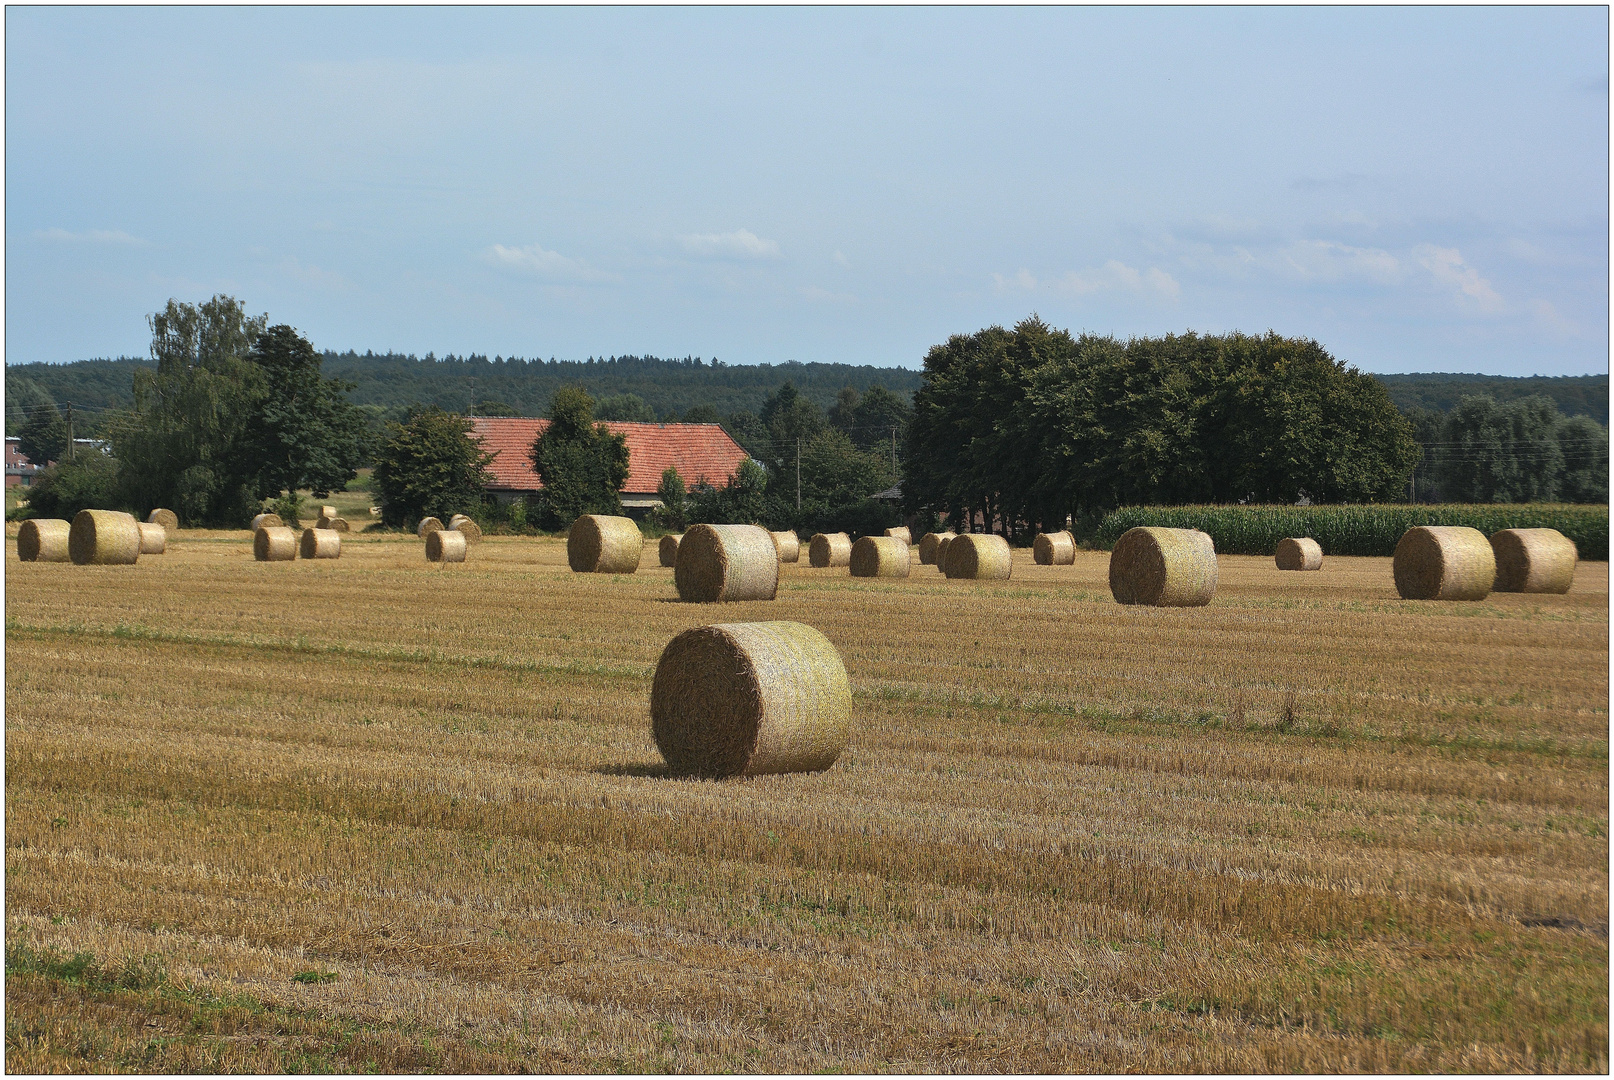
column 1418, row 189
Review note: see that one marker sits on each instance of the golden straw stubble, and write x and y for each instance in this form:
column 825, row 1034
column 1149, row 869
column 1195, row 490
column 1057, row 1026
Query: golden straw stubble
column 1162, row 567
column 1054, row 549
column 880, row 556
column 667, row 550
column 446, row 546
column 103, row 538
column 1534, row 560
column 829, row 549
column 321, row 544
column 977, row 557
column 43, row 540
column 721, row 563
column 1299, row 553
column 745, row 699
column 1444, row 562
column 604, row 544
column 274, row 543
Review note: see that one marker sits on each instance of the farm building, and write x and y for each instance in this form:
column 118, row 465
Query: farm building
column 698, row 451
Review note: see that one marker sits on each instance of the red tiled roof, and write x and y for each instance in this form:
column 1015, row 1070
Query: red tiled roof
column 698, row 451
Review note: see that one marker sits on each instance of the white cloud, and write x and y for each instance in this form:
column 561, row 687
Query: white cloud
column 1325, row 260
column 536, row 261
column 740, row 244
column 89, row 236
column 1447, row 267
column 1116, row 274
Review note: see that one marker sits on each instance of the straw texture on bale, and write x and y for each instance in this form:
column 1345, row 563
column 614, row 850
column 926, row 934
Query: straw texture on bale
column 747, row 699
column 1054, row 549
column 788, row 545
column 1534, row 560
column 321, row 544
column 880, row 556
column 461, row 524
column 977, row 557
column 446, row 545
column 1444, row 562
column 1162, row 567
column 930, row 547
column 274, row 543
column 427, row 524
column 267, row 521
column 829, row 549
column 1299, row 553
column 327, row 512
column 166, row 518
column 43, row 540
column 153, row 538
column 668, row 549
column 598, row 544
column 901, row 533
column 718, row 563
column 103, row 538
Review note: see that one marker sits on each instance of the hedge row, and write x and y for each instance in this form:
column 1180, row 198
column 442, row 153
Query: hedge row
column 1358, row 530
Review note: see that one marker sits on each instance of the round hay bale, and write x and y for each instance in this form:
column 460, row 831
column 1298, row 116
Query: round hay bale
column 43, row 540
column 746, row 699
column 977, row 557
column 901, row 533
column 1054, row 549
column 598, row 544
column 832, row 549
column 103, row 538
column 427, row 524
column 335, row 524
column 930, row 546
column 1163, row 567
column 153, row 538
column 1534, row 560
column 462, row 524
column 718, row 563
column 1444, row 562
column 880, row 556
column 327, row 512
column 668, row 549
column 446, row 545
column 267, row 521
column 321, row 544
column 274, row 543
column 166, row 518
column 788, row 545
column 1299, row 553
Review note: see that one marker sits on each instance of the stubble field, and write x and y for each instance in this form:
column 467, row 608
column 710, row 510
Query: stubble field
column 377, row 814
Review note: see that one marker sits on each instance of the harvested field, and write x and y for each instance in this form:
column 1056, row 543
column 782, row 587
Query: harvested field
column 359, row 814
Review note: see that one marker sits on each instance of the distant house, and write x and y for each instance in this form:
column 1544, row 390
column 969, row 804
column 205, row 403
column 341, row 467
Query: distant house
column 698, row 451
column 19, row 470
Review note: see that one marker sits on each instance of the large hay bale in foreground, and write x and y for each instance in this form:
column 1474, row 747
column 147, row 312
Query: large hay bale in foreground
column 829, row 549
column 599, row 544
column 274, row 543
column 427, row 524
column 930, row 546
column 1054, row 549
column 788, row 545
column 267, row 521
column 461, row 524
column 446, row 545
column 1534, row 560
column 977, row 557
column 1299, row 553
column 166, row 518
column 668, row 549
column 1444, row 562
column 103, row 538
column 901, row 532
column 880, row 556
column 1163, row 567
column 153, row 538
column 744, row 699
column 43, row 540
column 719, row 563
column 321, row 544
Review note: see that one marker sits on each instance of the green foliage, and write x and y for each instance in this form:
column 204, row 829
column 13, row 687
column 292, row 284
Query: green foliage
column 43, row 436
column 624, row 407
column 430, row 467
column 289, row 507
column 835, row 475
column 871, row 419
column 494, row 407
column 742, row 500
column 1574, row 395
column 1357, row 530
column 702, row 414
column 304, row 432
column 673, row 513
column 84, row 969
column 1583, row 443
column 1516, row 452
column 582, row 464
column 87, row 481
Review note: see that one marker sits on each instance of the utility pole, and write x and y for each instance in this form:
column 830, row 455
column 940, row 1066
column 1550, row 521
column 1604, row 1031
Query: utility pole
column 893, row 453
column 70, row 431
column 798, row 472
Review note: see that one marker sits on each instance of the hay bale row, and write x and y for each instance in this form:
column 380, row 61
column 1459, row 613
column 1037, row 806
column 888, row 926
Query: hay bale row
column 267, row 521
column 470, row 529
column 1444, row 562
column 720, row 563
column 321, row 544
column 427, row 524
column 930, row 546
column 166, row 518
column 880, row 556
column 153, row 538
column 901, row 532
column 274, row 543
column 446, row 546
column 746, row 699
column 103, row 538
column 1534, row 560
column 43, row 540
column 788, row 546
column 832, row 549
column 1299, row 553
column 1054, row 549
column 1163, row 567
column 333, row 524
column 977, row 557
column 600, row 544
column 668, row 549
